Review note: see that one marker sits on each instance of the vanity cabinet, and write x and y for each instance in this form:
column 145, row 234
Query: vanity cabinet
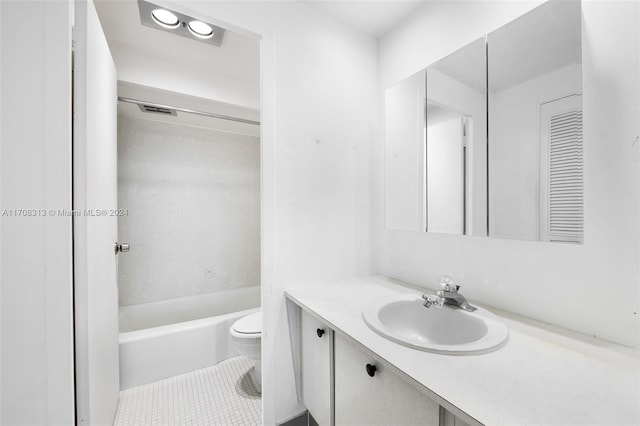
column 341, row 383
column 369, row 393
column 316, row 368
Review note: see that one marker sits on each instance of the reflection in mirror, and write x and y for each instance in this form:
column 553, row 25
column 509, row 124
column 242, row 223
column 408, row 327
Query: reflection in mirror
column 535, row 126
column 456, row 142
column 404, row 154
column 446, row 131
column 435, row 148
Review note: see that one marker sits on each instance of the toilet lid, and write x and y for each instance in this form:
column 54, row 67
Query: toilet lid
column 251, row 324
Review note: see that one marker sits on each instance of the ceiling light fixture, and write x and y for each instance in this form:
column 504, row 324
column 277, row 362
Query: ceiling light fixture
column 200, row 29
column 165, row 19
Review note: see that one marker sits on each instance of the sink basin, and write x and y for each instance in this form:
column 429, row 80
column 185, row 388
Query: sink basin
column 403, row 319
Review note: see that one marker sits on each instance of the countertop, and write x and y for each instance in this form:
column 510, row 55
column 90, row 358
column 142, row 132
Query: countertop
column 544, row 375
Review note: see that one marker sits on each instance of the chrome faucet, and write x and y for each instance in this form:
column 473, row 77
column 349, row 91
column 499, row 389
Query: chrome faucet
column 447, row 296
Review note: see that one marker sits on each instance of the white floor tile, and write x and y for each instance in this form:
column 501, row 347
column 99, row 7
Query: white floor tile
column 220, row 395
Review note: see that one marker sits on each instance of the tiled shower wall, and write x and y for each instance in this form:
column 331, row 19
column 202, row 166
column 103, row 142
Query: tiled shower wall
column 192, row 197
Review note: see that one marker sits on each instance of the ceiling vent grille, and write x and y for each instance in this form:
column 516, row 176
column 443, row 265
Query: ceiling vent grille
column 157, row 110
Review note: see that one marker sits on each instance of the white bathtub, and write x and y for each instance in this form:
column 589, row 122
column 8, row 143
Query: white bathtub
column 162, row 339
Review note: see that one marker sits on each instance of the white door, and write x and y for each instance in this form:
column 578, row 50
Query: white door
column 445, row 177
column 95, row 230
column 561, row 170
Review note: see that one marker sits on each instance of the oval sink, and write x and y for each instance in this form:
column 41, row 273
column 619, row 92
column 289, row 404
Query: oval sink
column 403, row 319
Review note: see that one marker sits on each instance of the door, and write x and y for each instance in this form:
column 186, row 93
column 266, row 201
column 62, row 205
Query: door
column 445, row 176
column 561, row 170
column 94, row 196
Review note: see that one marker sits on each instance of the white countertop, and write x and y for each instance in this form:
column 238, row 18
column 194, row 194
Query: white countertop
column 544, row 375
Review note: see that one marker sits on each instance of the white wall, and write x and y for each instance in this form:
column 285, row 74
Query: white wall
column 318, row 118
column 192, row 197
column 593, row 288
column 514, row 151
column 35, row 266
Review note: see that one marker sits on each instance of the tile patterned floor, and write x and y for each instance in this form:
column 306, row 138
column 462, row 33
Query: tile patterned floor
column 220, row 395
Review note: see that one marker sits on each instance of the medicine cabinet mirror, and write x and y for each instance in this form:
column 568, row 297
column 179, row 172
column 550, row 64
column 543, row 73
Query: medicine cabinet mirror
column 442, row 173
column 435, row 146
column 535, row 126
column 405, row 122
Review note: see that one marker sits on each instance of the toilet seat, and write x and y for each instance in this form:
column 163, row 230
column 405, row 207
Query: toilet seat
column 248, row 326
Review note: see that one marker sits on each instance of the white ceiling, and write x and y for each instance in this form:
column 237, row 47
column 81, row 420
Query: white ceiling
column 238, row 56
column 544, row 40
column 374, row 17
column 229, row 73
column 541, row 41
column 466, row 65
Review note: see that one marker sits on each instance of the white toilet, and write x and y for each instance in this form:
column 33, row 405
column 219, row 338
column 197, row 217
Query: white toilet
column 246, row 335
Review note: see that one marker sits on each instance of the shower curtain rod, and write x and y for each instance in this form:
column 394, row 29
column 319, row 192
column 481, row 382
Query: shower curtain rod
column 188, row 111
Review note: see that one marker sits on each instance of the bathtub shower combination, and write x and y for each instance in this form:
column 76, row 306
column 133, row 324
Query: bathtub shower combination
column 196, row 187
column 167, row 338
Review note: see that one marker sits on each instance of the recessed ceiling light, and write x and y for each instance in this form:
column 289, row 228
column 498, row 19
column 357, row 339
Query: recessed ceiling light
column 165, row 19
column 200, row 29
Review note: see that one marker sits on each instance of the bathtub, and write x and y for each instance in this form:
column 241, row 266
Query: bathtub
column 163, row 339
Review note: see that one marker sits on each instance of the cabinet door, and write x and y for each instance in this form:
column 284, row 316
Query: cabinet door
column 381, row 399
column 316, row 368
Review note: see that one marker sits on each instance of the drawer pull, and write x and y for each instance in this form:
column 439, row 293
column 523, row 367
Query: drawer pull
column 371, row 370
column 320, row 332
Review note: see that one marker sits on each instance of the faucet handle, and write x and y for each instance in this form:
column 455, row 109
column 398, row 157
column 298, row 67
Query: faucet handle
column 432, row 300
column 448, row 284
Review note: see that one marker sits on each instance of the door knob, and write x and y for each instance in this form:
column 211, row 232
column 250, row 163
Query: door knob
column 122, row 247
column 320, row 332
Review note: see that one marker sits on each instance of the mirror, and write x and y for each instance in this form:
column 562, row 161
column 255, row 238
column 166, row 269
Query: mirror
column 524, row 182
column 535, row 126
column 435, row 146
column 456, row 142
column 405, row 154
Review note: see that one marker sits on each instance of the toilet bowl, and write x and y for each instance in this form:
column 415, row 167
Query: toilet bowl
column 246, row 337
